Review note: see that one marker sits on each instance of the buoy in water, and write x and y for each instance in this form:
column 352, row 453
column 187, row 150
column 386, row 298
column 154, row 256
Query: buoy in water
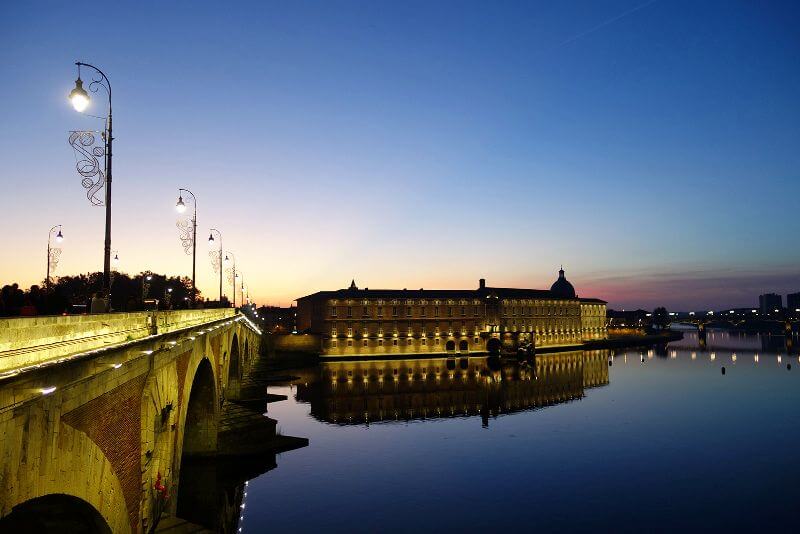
column 723, row 370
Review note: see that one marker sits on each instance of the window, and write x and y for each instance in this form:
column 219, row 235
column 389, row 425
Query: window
column 366, row 342
column 436, row 311
column 424, row 341
column 380, row 342
column 333, row 332
column 366, row 311
column 437, row 341
column 410, row 342
column 476, row 340
column 408, row 311
column 333, row 311
column 422, row 311
column 394, row 311
column 476, row 311
column 449, row 311
column 349, row 311
column 394, row 342
column 380, row 311
column 349, row 332
column 463, row 311
column 349, row 342
column 334, row 343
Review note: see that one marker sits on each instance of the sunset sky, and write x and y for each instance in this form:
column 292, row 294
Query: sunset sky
column 652, row 148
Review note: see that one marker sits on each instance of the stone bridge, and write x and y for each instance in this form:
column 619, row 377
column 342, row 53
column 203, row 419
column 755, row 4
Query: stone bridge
column 99, row 412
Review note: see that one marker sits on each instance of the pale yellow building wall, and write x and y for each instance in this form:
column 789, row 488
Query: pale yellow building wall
column 367, row 327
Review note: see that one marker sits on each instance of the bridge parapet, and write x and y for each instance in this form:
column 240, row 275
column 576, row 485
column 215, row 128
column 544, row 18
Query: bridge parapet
column 31, row 341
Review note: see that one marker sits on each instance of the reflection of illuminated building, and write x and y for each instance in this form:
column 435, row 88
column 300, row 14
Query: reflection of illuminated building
column 374, row 322
column 358, row 392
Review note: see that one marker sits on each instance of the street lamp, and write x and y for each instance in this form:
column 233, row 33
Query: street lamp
column 53, row 253
column 115, row 259
column 146, row 279
column 186, row 238
column 212, row 243
column 80, row 101
column 234, row 276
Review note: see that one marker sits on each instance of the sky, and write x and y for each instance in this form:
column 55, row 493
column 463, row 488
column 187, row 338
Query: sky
column 651, row 147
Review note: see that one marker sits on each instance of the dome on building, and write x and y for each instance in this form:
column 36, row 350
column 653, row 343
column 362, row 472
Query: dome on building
column 561, row 288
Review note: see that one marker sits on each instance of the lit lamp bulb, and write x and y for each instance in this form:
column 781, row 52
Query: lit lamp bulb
column 116, row 259
column 180, row 206
column 79, row 97
column 169, row 290
column 59, row 236
column 210, row 240
column 226, row 260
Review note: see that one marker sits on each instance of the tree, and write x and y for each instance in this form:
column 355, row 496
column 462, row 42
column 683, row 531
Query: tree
column 660, row 318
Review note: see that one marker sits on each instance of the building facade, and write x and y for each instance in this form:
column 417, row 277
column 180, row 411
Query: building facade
column 793, row 302
column 375, row 322
column 769, row 303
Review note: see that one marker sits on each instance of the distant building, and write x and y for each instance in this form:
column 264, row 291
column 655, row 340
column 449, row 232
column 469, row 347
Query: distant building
column 793, row 301
column 369, row 322
column 769, row 302
column 278, row 320
column 628, row 318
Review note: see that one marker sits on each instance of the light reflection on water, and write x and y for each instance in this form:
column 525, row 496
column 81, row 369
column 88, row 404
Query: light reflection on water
column 659, row 439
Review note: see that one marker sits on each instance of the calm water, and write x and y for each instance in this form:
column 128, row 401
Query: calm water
column 568, row 443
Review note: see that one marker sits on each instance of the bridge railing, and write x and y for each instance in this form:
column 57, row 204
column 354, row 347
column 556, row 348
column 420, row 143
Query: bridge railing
column 29, row 341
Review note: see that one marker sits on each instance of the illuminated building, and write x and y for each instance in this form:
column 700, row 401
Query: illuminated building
column 374, row 322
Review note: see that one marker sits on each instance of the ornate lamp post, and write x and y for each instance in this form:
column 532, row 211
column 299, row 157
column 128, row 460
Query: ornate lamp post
column 167, row 297
column 147, row 277
column 53, row 253
column 88, row 168
column 189, row 235
column 232, row 275
column 216, row 257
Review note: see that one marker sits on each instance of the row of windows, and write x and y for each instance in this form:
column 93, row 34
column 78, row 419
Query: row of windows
column 350, row 331
column 460, row 302
column 409, row 302
column 408, row 311
column 395, row 372
column 540, row 311
column 451, row 311
column 394, row 342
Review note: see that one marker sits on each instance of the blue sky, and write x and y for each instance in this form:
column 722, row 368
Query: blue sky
column 650, row 147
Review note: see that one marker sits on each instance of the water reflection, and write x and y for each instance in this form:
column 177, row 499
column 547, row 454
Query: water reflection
column 712, row 450
column 364, row 392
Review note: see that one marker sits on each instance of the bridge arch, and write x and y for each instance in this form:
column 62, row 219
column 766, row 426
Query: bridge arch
column 463, row 346
column 201, row 420
column 56, row 513
column 73, row 452
column 493, row 346
column 450, row 346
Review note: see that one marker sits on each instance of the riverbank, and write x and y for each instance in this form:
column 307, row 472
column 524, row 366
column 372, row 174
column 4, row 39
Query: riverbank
column 293, row 359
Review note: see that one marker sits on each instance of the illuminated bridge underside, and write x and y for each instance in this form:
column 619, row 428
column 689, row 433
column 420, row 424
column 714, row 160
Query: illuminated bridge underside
column 100, row 427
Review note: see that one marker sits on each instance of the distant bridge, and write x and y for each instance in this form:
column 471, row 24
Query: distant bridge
column 97, row 413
